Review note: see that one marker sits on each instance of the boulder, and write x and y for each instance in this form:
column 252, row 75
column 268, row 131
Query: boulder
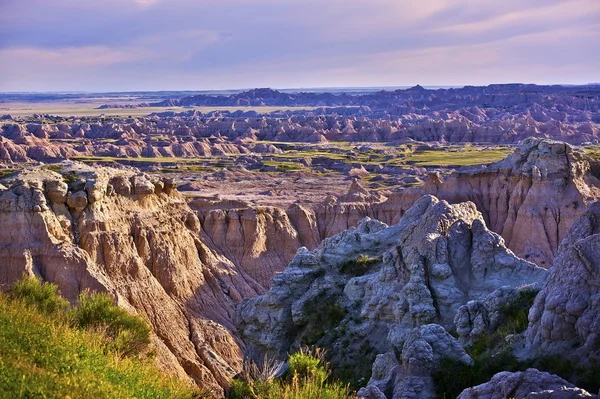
column 529, row 384
column 77, row 200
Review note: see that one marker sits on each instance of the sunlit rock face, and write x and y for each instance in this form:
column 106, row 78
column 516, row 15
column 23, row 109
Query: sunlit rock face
column 135, row 237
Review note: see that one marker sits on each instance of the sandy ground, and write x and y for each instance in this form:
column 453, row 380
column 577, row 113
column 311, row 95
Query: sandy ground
column 273, row 189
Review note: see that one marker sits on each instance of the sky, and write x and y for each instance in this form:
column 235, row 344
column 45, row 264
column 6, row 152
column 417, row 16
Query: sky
column 124, row 45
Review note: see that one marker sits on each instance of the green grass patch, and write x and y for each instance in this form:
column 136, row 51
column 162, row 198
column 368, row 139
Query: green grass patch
column 53, row 167
column 7, row 172
column 283, row 166
column 43, row 355
column 457, row 158
column 492, row 355
column 324, row 314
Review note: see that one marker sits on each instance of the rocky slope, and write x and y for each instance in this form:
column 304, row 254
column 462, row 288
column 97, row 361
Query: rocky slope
column 134, row 236
column 565, row 318
column 375, row 290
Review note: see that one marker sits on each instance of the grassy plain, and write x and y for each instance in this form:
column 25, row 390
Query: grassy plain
column 66, row 109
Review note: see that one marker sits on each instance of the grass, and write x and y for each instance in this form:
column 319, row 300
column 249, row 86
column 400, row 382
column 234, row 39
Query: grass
column 457, row 158
column 593, row 152
column 53, row 167
column 44, row 355
column 140, row 159
column 67, row 109
column 7, row 172
column 308, row 377
column 284, row 166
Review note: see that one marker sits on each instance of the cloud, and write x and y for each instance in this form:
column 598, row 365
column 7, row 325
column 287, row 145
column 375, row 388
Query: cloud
column 71, row 57
column 193, row 44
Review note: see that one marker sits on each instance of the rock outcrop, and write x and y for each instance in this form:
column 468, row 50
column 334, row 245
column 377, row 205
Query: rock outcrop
column 375, row 289
column 134, row 236
column 529, row 384
column 530, row 198
column 565, row 317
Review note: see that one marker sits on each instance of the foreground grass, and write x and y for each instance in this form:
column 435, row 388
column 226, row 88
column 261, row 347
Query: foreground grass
column 308, row 377
column 43, row 356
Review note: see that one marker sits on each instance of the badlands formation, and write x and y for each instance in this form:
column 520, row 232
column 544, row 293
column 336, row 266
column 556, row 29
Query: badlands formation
column 390, row 303
column 234, row 237
column 498, row 114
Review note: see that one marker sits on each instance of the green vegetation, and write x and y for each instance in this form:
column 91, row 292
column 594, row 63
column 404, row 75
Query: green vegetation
column 284, row 166
column 46, row 352
column 457, row 158
column 359, row 266
column 70, row 177
column 128, row 334
column 42, row 296
column 594, row 152
column 491, row 354
column 53, row 167
column 7, row 172
column 308, row 377
column 515, row 314
column 324, row 314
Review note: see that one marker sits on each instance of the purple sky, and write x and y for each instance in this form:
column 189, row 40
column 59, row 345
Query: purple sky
column 105, row 45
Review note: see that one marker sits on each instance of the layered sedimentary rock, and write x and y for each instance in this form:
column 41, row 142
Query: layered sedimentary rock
column 379, row 290
column 565, row 317
column 135, row 237
column 530, row 198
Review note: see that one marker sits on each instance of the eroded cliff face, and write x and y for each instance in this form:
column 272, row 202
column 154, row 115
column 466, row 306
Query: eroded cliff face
column 565, row 317
column 135, row 237
column 386, row 291
column 530, row 199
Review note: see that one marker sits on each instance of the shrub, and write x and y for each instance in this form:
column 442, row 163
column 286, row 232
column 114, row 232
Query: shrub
column 309, row 364
column 583, row 376
column 324, row 314
column 41, row 295
column 452, row 377
column 129, row 334
column 358, row 266
column 71, row 177
column 516, row 313
column 307, row 379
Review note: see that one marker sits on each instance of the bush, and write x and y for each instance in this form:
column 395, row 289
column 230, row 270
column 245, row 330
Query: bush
column 324, row 314
column 307, row 378
column 309, row 365
column 41, row 295
column 129, row 334
column 359, row 266
column 586, row 377
column 452, row 377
